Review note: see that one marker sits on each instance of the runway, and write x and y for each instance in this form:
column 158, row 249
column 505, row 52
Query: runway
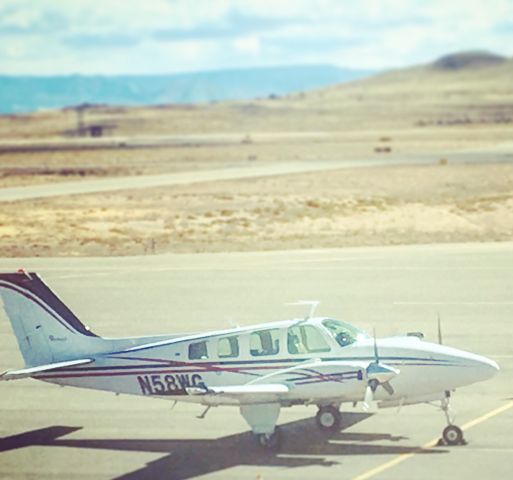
column 10, row 194
column 52, row 432
column 242, row 171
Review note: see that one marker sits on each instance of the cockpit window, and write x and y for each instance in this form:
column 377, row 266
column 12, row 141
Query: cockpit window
column 264, row 342
column 342, row 332
column 303, row 339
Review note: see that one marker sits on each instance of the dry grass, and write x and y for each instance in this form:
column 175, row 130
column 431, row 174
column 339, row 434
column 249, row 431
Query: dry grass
column 401, row 114
column 395, row 100
column 387, row 205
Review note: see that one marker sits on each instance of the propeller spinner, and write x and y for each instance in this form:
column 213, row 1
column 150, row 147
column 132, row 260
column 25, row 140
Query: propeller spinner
column 378, row 374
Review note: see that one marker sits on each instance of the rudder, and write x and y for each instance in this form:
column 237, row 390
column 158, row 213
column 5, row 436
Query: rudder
column 45, row 328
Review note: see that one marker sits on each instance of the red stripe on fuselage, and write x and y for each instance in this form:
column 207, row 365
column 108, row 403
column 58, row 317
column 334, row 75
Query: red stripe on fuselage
column 146, row 372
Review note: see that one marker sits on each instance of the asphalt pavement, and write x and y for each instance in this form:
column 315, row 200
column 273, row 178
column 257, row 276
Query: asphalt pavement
column 52, row 432
column 501, row 154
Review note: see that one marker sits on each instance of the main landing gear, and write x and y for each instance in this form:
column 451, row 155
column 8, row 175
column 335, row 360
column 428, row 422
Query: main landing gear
column 270, row 441
column 328, row 418
column 262, row 420
column 452, row 434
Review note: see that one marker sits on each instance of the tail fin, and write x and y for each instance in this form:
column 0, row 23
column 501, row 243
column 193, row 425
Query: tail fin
column 47, row 331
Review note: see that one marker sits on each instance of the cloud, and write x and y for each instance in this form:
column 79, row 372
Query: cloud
column 14, row 20
column 89, row 41
column 234, row 24
column 60, row 36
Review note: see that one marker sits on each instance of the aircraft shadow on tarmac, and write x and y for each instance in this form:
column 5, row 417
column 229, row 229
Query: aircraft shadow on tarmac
column 303, row 445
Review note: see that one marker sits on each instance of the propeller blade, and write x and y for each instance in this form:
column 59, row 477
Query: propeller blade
column 368, row 398
column 439, row 330
column 376, row 355
column 388, row 387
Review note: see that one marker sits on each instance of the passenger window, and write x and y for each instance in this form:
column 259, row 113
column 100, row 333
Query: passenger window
column 228, row 347
column 264, row 342
column 303, row 339
column 198, row 351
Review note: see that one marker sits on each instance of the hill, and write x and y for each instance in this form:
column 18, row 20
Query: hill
column 474, row 59
column 28, row 94
column 459, row 88
column 409, row 98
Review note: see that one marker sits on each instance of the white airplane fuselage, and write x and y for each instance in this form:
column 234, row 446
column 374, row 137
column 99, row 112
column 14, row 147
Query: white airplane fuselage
column 260, row 369
column 165, row 370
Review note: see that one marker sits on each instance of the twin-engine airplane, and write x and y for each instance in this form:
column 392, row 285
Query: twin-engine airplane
column 260, row 369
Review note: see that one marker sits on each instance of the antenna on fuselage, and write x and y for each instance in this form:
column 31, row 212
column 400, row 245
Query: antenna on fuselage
column 233, row 323
column 439, row 329
column 313, row 305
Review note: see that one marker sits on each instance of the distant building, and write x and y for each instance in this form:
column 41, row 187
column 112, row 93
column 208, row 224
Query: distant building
column 94, row 130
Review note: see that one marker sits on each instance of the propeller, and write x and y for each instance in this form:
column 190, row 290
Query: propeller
column 378, row 374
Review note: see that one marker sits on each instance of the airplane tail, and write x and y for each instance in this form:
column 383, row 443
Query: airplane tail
column 46, row 329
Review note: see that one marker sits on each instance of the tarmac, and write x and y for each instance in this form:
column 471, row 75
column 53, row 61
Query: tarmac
column 52, row 432
column 497, row 154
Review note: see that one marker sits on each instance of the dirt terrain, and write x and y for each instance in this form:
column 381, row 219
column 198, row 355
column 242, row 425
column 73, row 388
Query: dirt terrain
column 434, row 94
column 371, row 206
column 438, row 110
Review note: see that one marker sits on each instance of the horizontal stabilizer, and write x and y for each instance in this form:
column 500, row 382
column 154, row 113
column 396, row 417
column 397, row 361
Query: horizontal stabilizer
column 29, row 372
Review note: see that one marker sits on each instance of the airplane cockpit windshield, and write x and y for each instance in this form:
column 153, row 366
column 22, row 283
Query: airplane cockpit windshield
column 342, row 332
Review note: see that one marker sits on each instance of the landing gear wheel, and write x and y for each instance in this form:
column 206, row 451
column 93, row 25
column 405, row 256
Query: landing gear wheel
column 270, row 441
column 328, row 419
column 453, row 435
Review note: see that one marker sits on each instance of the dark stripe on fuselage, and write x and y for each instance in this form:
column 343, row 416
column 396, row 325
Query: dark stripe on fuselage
column 204, row 365
column 36, row 300
column 42, row 296
column 148, row 370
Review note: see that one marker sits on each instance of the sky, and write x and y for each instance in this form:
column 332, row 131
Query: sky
column 57, row 37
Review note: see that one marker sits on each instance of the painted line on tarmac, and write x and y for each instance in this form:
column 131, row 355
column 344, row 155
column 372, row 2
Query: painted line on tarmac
column 452, row 303
column 405, row 456
column 332, row 259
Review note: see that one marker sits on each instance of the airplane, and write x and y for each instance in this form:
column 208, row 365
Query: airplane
column 260, row 369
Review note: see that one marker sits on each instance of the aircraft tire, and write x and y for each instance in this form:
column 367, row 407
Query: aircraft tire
column 453, row 435
column 271, row 441
column 328, row 419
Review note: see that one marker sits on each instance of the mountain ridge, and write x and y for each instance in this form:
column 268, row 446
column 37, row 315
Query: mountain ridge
column 24, row 94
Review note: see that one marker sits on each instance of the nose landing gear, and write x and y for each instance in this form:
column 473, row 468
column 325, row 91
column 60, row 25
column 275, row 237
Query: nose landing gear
column 452, row 434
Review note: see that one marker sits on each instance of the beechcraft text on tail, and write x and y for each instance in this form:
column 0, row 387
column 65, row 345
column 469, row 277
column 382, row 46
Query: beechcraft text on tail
column 259, row 369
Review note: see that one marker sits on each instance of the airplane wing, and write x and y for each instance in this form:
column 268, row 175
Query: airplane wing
column 244, row 393
column 275, row 388
column 314, row 378
column 28, row 372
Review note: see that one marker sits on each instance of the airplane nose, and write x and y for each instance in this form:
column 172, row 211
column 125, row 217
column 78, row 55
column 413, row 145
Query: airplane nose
column 490, row 368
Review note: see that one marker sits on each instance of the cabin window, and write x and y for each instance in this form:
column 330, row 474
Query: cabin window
column 264, row 342
column 198, row 351
column 228, row 347
column 303, row 339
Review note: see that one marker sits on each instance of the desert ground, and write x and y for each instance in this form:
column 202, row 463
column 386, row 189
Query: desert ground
column 350, row 207
column 444, row 137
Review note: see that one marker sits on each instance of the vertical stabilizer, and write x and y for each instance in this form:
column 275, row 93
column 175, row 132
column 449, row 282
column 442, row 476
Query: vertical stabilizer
column 46, row 330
